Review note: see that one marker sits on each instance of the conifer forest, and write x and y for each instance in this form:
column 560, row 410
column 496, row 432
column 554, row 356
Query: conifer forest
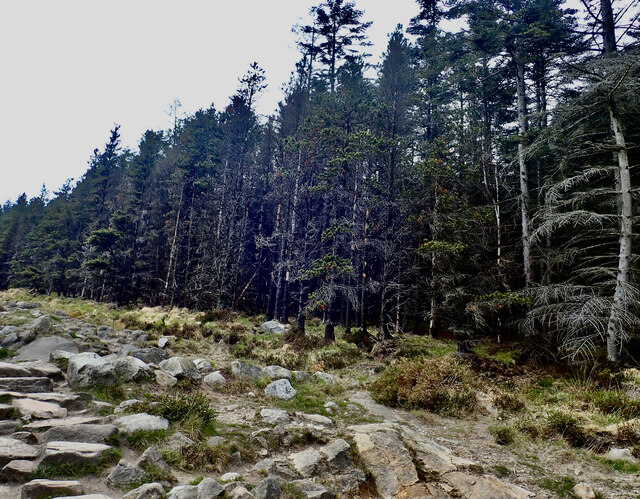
column 475, row 182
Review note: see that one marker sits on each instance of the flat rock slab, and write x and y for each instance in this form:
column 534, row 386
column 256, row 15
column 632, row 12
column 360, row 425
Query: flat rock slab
column 141, row 422
column 312, row 490
column 481, row 487
column 26, row 384
column 89, row 496
column 8, row 370
column 18, row 470
column 13, row 449
column 41, row 348
column 92, row 433
column 67, row 400
column 73, row 452
column 39, row 409
column 50, row 488
column 45, row 424
column 7, row 411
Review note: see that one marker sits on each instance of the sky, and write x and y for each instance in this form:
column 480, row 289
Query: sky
column 71, row 69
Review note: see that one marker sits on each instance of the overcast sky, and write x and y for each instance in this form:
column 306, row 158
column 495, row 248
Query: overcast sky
column 70, row 69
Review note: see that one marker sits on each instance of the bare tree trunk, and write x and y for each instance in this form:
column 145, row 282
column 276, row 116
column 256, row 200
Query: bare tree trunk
column 172, row 253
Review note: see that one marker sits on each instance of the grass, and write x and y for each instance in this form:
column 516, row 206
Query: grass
column 621, row 466
column 69, row 470
column 5, row 353
column 411, row 347
column 561, row 486
column 140, row 440
column 310, row 398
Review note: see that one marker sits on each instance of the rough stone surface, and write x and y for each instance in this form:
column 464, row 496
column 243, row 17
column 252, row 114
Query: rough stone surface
column 276, row 372
column 273, row 327
column 45, row 424
column 242, row 369
column 315, row 418
column 88, row 368
column 584, row 491
column 13, row 449
column 152, row 459
column 307, row 462
column 241, row 493
column 19, row 470
column 39, row 409
column 617, row 454
column 215, row 378
column 312, row 490
column 325, row 377
column 147, row 491
column 184, row 492
column 181, row 367
column 125, row 474
column 41, row 348
column 60, row 358
column 209, row 488
column 26, row 385
column 274, row 416
column 165, row 379
column 141, row 422
column 267, row 489
column 131, row 369
column 41, row 325
column 12, row 370
column 230, row 477
column 93, row 433
column 336, row 454
column 203, row 365
column 281, row 389
column 480, row 487
column 73, row 452
column 50, row 488
column 151, row 355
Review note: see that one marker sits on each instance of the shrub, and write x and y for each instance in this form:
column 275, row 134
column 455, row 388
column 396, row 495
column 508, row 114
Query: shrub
column 503, row 434
column 192, row 411
column 568, row 426
column 615, row 402
column 337, row 355
column 442, row 385
column 509, row 402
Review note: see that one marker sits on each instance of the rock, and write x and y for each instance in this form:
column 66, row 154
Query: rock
column 88, row 496
column 276, row 372
column 141, row 422
column 163, row 341
column 331, row 407
column 315, row 418
column 181, row 367
column 165, row 379
column 151, row 355
column 50, row 488
column 25, row 436
column 151, row 460
column 41, row 348
column 230, row 477
column 281, row 389
column 60, row 358
column 25, row 305
column 127, row 405
column 324, row 377
column 584, row 491
column 431, row 455
column 8, row 370
column 39, row 409
column 274, row 416
column 73, row 453
column 203, row 365
column 388, row 460
column 480, row 487
column 215, row 378
column 61, row 314
column 184, row 492
column 9, row 340
column 43, row 368
column 209, row 488
column 349, row 483
column 125, row 474
column 104, row 331
column 66, row 400
column 12, row 449
column 241, row 493
column 93, row 433
column 241, row 369
column 214, row 442
column 267, row 489
column 616, row 454
column 88, row 369
column 45, row 424
column 8, row 330
column 147, row 491
column 307, row 462
column 180, row 441
column 300, row 375
column 26, row 385
column 336, row 454
column 273, row 327
column 312, row 490
column 7, row 411
column 131, row 369
column 41, row 325
column 18, row 470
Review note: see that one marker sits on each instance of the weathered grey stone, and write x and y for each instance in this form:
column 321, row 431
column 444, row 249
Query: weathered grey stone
column 88, row 369
column 87, row 496
column 273, row 327
column 214, row 442
column 141, row 422
column 180, row 441
column 50, row 488
column 73, row 452
column 349, row 483
column 18, row 470
column 584, row 491
column 312, row 490
column 41, row 348
column 276, row 372
column 9, row 370
column 127, row 405
column 41, row 325
column 39, row 409
column 315, row 418
column 25, row 436
column 203, row 365
column 125, row 474
column 104, row 331
column 230, row 477
column 151, row 459
column 242, row 369
column 151, row 355
column 131, row 369
column 300, row 375
column 308, row 462
column 331, row 407
column 61, row 358
column 274, row 416
column 61, row 314
column 336, row 454
column 184, row 492
column 163, row 341
column 209, row 488
column 93, row 433
column 281, row 389
column 8, row 330
column 215, row 378
column 616, row 454
column 267, row 489
column 26, row 305
column 43, row 368
column 241, row 493
column 181, row 367
column 147, row 491
column 165, row 379
column 7, row 411
column 230, row 486
column 480, row 487
column 12, row 449
column 9, row 340
column 26, row 385
column 325, row 377
column 45, row 424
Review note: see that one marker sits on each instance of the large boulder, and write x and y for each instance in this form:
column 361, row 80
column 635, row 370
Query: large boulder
column 181, row 367
column 41, row 348
column 209, row 488
column 88, row 368
column 214, row 378
column 41, row 325
column 125, row 475
column 276, row 372
column 147, row 491
column 281, row 389
column 244, row 370
column 267, row 489
column 131, row 369
column 93, row 433
column 151, row 355
column 273, row 327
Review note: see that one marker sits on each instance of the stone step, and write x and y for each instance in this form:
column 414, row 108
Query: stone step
column 93, row 433
column 69, row 401
column 13, row 449
column 7, row 411
column 75, row 453
column 39, row 409
column 45, row 424
column 18, row 471
column 9, row 370
column 51, row 488
column 26, row 384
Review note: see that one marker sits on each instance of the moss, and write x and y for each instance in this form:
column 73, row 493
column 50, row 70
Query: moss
column 621, row 466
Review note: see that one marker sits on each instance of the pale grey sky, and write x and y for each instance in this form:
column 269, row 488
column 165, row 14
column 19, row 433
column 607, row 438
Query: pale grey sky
column 73, row 68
